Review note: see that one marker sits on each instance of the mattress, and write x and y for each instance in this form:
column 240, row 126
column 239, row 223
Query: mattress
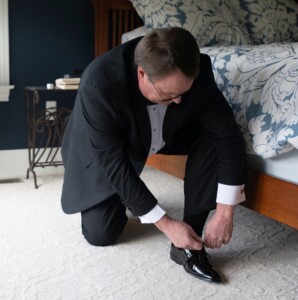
column 284, row 167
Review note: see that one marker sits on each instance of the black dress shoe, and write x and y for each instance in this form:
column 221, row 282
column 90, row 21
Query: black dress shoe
column 195, row 263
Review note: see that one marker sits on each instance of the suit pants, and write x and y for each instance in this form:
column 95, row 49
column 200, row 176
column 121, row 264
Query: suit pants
column 103, row 223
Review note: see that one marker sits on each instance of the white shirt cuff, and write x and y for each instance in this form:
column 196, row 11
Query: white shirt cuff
column 153, row 215
column 230, row 194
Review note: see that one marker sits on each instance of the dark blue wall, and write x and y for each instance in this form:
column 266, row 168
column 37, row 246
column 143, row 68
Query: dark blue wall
column 48, row 39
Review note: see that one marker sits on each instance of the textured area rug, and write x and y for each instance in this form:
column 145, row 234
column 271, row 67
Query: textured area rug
column 44, row 256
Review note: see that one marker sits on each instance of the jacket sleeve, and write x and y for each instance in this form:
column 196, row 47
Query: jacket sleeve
column 109, row 146
column 218, row 120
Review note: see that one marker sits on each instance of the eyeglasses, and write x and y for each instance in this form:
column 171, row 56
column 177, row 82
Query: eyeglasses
column 167, row 99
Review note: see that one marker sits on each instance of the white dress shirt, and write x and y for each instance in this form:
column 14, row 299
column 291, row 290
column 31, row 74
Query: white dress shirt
column 226, row 194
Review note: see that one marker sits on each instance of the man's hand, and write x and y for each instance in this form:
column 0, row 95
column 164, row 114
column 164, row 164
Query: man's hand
column 220, row 227
column 179, row 233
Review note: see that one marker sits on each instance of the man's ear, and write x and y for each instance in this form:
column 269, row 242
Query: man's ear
column 141, row 74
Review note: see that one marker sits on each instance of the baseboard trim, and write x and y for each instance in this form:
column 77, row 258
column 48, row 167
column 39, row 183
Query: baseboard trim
column 14, row 164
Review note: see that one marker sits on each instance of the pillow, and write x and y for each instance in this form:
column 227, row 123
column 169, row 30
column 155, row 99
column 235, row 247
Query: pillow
column 268, row 21
column 127, row 36
column 210, row 21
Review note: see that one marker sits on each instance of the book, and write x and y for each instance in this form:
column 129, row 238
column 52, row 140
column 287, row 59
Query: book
column 74, row 80
column 67, row 86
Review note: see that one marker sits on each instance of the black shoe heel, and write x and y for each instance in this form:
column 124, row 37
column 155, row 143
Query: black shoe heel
column 175, row 259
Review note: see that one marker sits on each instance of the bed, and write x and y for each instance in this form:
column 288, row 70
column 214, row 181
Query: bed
column 255, row 63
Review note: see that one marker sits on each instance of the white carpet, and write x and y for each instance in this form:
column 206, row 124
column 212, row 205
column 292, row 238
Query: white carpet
column 44, row 256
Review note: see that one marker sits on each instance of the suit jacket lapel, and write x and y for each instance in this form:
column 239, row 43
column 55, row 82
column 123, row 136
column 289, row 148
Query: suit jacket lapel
column 143, row 121
column 140, row 112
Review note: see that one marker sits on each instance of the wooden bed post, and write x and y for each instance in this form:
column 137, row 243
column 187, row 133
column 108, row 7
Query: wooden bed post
column 112, row 19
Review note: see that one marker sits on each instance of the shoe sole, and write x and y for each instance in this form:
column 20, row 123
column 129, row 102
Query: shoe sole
column 175, row 259
column 178, row 261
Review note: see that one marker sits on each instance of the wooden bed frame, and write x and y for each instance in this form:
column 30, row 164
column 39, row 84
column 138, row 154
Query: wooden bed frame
column 269, row 196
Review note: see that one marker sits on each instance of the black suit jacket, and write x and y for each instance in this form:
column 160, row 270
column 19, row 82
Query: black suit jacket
column 107, row 139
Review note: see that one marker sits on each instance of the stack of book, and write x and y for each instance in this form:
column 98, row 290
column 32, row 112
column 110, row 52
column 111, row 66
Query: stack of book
column 67, row 83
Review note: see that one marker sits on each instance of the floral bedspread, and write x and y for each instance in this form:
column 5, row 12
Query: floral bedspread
column 261, row 85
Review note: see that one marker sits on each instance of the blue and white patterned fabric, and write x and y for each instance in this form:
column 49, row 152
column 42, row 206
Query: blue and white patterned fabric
column 229, row 22
column 261, row 85
column 211, row 22
column 268, row 21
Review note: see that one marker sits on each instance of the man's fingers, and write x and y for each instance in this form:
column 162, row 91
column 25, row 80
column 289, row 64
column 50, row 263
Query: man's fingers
column 196, row 245
column 213, row 242
column 208, row 244
column 196, row 237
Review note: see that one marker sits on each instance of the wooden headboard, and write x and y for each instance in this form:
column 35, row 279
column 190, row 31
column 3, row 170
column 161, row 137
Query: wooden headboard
column 112, row 19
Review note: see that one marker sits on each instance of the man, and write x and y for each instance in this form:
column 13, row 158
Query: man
column 154, row 94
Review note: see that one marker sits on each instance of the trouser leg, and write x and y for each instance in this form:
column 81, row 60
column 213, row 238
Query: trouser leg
column 200, row 182
column 103, row 223
column 197, row 221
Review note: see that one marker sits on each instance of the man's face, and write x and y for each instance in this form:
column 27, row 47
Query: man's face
column 166, row 90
